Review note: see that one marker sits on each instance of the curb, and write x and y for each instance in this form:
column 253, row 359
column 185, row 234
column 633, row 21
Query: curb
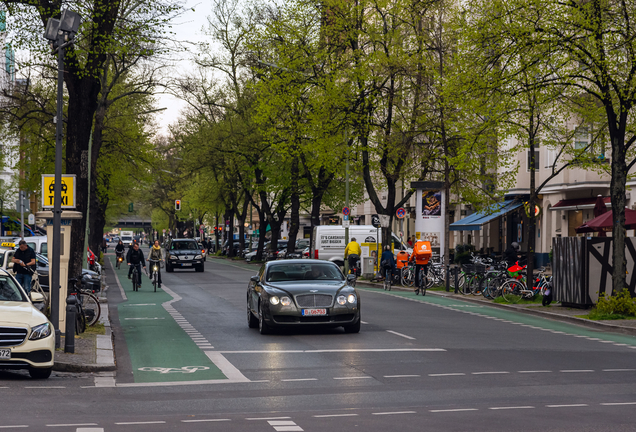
column 614, row 328
column 104, row 347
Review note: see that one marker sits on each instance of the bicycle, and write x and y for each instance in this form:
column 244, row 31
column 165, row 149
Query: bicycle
column 120, row 259
column 388, row 278
column 136, row 277
column 155, row 272
column 407, row 274
column 355, row 271
column 36, row 287
column 421, row 282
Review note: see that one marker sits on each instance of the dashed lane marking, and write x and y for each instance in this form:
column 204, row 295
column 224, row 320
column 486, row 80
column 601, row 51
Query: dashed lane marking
column 567, row 406
column 394, row 413
column 619, row 370
column 13, row 426
column 400, row 334
column 71, row 425
column 352, row 378
column 44, row 387
column 489, row 373
column 335, row 415
column 536, row 371
column 618, row 403
column 204, row 420
column 89, row 430
column 578, row 371
column 267, row 418
column 453, row 410
column 511, row 407
column 447, row 374
column 140, row 423
column 299, row 379
column 402, row 376
column 353, row 350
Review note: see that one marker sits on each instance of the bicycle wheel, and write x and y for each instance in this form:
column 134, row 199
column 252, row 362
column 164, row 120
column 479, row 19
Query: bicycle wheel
column 423, row 284
column 135, row 278
column 512, row 290
column 91, row 307
column 80, row 319
column 408, row 276
column 476, row 285
column 35, row 287
column 430, row 278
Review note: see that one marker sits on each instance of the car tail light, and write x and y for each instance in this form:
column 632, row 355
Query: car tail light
column 316, row 254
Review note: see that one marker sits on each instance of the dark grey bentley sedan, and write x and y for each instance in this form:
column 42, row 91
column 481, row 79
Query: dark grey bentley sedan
column 302, row 292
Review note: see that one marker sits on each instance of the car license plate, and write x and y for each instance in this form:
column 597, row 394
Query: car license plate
column 186, row 264
column 314, row 312
column 5, row 353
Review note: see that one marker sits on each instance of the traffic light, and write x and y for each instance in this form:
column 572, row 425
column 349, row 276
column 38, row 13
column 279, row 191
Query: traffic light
column 177, row 204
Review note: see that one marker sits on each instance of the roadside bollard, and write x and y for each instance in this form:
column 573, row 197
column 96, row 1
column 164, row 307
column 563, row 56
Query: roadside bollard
column 447, row 278
column 69, row 335
column 456, row 280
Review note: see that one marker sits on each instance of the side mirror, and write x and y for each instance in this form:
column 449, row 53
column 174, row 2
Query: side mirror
column 255, row 279
column 351, row 278
column 37, row 297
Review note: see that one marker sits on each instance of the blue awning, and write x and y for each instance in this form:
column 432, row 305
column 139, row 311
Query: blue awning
column 475, row 221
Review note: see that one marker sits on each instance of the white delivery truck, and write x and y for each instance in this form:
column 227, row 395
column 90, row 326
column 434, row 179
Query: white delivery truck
column 126, row 237
column 328, row 242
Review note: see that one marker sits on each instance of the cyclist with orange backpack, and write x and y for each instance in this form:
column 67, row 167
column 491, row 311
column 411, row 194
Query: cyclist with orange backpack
column 421, row 255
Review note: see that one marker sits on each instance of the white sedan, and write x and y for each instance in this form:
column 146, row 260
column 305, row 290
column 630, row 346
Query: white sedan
column 27, row 338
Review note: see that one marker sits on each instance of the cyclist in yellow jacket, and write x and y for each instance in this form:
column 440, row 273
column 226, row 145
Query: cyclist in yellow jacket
column 352, row 254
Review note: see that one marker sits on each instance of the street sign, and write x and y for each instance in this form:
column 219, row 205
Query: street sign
column 31, row 219
column 345, row 217
column 68, row 191
column 385, row 221
column 164, row 231
column 375, row 220
column 346, row 211
column 345, row 223
column 400, row 213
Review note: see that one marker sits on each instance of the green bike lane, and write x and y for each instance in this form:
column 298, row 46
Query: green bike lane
column 513, row 317
column 160, row 350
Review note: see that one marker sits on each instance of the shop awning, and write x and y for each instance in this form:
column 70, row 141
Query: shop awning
column 475, row 221
column 579, row 204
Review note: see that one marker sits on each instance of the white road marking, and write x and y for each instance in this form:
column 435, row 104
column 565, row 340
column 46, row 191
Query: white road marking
column 299, row 379
column 141, row 423
column 335, row 415
column 489, row 373
column 619, row 370
column 536, row 371
column 14, row 426
column 453, row 410
column 395, row 412
column 89, row 430
column 281, row 423
column 268, row 418
column 618, row 403
column 511, row 407
column 121, row 289
column 227, row 368
column 140, row 304
column 44, row 387
column 401, row 376
column 400, row 334
column 335, row 351
column 567, row 406
column 447, row 374
column 351, row 378
column 204, row 420
column 577, row 371
column 71, row 425
column 155, row 318
column 363, row 322
column 4, row 387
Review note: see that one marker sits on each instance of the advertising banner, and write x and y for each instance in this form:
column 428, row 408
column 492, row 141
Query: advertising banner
column 429, row 219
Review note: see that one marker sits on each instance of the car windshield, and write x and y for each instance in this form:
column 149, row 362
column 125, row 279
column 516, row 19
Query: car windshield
column 9, row 290
column 301, row 271
column 184, row 245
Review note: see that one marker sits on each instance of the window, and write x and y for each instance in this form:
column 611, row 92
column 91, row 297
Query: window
column 536, row 160
column 550, row 157
column 581, row 137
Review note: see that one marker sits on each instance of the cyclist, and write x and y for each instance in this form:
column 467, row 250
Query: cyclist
column 135, row 258
column 387, row 260
column 120, row 249
column 155, row 255
column 421, row 255
column 352, row 255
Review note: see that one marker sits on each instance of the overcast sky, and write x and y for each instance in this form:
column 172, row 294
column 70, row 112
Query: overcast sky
column 189, row 28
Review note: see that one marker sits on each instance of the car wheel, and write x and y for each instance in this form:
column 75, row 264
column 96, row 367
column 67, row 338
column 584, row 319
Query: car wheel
column 40, row 373
column 169, row 268
column 263, row 328
column 199, row 268
column 252, row 321
column 353, row 328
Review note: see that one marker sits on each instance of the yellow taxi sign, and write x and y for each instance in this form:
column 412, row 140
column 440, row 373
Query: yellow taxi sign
column 68, row 191
column 7, row 244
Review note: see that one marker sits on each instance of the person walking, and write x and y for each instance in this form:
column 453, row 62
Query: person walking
column 23, row 263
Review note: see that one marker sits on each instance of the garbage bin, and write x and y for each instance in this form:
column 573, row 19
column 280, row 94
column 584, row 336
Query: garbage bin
column 368, row 265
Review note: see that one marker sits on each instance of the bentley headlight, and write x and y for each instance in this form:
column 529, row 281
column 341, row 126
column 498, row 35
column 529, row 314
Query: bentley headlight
column 173, row 257
column 285, row 301
column 40, row 331
column 351, row 298
column 274, row 300
column 342, row 299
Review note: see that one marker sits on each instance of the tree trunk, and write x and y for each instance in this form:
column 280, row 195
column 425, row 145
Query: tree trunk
column 617, row 190
column 532, row 221
column 262, row 231
column 316, row 203
column 295, row 207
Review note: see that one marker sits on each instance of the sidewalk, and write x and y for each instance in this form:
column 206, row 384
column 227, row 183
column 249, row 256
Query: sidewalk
column 94, row 351
column 554, row 311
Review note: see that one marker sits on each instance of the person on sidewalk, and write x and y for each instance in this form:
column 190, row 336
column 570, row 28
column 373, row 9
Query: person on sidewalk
column 352, row 253
column 23, row 264
column 135, row 257
column 511, row 255
column 155, row 255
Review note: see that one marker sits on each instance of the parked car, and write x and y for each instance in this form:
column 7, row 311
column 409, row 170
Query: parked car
column 302, row 292
column 249, row 257
column 253, row 248
column 183, row 253
column 27, row 339
column 281, row 247
column 301, row 244
column 237, row 248
column 92, row 280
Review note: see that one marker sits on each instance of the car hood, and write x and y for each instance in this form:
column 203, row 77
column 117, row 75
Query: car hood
column 300, row 287
column 185, row 252
column 20, row 314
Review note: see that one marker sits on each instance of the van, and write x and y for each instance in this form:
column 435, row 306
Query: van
column 39, row 244
column 328, row 242
column 127, row 237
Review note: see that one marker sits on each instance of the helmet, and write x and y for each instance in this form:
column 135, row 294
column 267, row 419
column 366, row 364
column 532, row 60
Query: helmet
column 515, row 246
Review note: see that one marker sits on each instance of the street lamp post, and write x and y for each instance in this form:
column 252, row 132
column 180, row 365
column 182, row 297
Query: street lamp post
column 61, row 34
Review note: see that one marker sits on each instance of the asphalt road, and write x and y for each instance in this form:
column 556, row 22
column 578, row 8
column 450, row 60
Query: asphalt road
column 187, row 361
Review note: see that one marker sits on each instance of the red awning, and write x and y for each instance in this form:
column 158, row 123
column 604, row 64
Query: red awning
column 579, row 204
